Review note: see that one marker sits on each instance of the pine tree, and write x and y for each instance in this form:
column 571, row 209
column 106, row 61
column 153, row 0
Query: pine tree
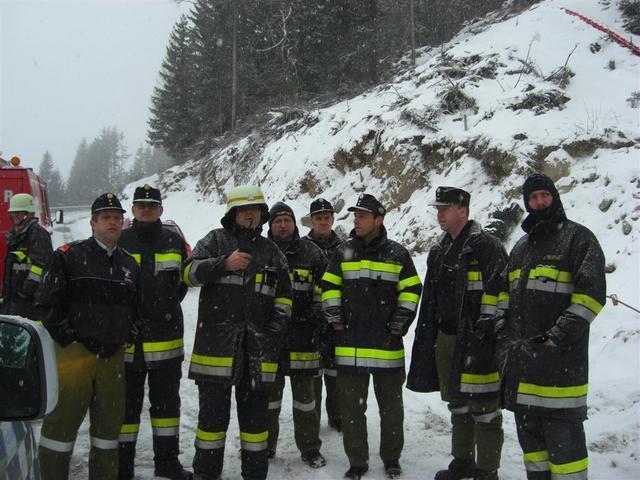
column 51, row 175
column 174, row 122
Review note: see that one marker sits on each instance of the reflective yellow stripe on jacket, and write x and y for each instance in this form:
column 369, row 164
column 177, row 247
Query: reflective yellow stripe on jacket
column 552, row 397
column 369, row 357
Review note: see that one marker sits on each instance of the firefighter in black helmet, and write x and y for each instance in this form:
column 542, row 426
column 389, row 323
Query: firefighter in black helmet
column 159, row 351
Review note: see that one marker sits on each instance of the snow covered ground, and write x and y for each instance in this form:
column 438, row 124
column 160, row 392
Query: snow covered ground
column 598, row 106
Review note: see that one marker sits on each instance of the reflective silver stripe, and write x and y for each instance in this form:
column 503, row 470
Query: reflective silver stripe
column 330, row 372
column 231, row 279
column 488, row 417
column 56, row 445
column 275, row 405
column 21, row 266
column 546, row 402
column 475, row 285
column 488, row 309
column 412, row 306
column 332, row 302
column 265, row 290
column 582, row 311
column 480, row 387
column 347, row 361
column 35, row 277
column 570, row 476
column 284, row 309
column 168, row 265
column 513, row 284
column 253, row 446
column 165, row 431
column 103, row 444
column 549, row 286
column 191, row 279
column 503, row 305
column 379, row 363
column 209, row 370
column 128, row 357
column 317, row 298
column 166, row 355
column 304, row 407
column 460, row 410
column 128, row 437
column 209, row 444
column 373, row 274
column 305, row 364
column 302, row 286
column 536, row 466
column 268, row 377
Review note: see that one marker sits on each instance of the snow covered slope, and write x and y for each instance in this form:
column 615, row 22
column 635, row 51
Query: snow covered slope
column 540, row 90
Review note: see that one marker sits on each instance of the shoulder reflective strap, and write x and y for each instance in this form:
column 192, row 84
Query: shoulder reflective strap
column 137, row 257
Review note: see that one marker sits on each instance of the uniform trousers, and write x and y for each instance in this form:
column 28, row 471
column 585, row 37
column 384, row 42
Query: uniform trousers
column 86, row 382
column 327, row 347
column 213, row 422
column 164, row 397
column 553, row 448
column 306, row 424
column 476, row 423
column 353, row 390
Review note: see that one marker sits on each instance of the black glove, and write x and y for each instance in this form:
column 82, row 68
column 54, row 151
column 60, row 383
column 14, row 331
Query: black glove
column 484, row 327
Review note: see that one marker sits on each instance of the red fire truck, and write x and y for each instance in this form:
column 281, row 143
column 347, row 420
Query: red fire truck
column 17, row 179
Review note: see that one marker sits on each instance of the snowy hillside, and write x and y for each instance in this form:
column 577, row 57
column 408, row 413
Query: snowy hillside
column 540, row 90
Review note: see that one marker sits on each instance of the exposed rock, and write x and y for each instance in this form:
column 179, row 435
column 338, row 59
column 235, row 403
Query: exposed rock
column 605, row 204
column 626, row 227
column 504, row 221
column 557, row 165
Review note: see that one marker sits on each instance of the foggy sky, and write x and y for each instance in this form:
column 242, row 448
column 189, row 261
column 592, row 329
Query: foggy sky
column 68, row 69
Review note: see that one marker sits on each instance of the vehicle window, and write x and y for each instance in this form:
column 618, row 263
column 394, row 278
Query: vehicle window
column 14, row 346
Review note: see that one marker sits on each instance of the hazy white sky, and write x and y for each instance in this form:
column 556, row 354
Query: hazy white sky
column 70, row 68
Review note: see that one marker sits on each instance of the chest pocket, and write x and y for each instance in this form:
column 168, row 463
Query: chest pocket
column 167, row 262
column 267, row 281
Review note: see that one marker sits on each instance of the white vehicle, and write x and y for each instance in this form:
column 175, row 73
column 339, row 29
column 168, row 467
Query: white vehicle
column 28, row 391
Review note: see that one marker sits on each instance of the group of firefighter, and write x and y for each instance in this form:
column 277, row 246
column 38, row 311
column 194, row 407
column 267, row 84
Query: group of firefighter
column 493, row 331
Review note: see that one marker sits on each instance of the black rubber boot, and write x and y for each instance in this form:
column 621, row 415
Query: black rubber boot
column 458, row 469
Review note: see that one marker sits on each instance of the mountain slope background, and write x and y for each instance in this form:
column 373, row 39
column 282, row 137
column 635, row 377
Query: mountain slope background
column 541, row 90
